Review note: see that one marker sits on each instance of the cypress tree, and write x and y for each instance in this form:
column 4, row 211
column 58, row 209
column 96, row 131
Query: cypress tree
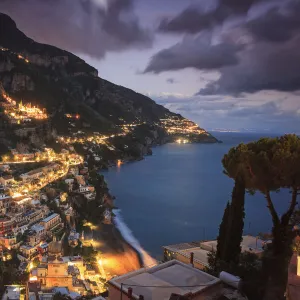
column 236, row 223
column 222, row 237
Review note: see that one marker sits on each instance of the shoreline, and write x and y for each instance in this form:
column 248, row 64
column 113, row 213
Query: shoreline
column 130, row 239
column 122, row 233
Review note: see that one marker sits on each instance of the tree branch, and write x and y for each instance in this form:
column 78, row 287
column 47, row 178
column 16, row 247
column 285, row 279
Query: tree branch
column 286, row 217
column 250, row 170
column 272, row 208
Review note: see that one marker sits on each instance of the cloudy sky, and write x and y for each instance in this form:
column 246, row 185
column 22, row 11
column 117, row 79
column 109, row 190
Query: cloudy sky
column 223, row 63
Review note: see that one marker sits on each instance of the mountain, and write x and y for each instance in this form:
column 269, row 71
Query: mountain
column 75, row 99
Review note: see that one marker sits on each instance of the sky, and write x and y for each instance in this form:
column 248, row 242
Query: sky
column 231, row 64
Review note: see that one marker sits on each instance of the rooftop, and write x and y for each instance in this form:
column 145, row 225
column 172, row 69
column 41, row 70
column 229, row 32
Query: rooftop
column 181, row 278
column 33, row 172
column 37, row 227
column 27, row 247
column 249, row 243
column 185, row 249
column 8, row 177
column 50, row 217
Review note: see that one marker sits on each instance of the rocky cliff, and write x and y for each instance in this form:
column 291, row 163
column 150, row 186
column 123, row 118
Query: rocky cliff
column 62, row 83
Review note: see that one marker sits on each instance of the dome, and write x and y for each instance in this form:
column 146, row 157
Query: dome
column 55, row 247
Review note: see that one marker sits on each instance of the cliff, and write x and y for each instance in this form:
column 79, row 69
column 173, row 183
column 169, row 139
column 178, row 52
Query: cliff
column 62, row 83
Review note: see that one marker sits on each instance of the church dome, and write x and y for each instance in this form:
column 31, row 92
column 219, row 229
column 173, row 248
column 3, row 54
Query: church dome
column 55, row 247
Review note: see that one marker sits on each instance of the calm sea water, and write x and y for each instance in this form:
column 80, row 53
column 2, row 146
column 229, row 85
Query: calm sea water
column 179, row 193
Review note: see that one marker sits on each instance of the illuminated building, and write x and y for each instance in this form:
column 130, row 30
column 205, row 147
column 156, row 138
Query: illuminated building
column 22, row 113
column 51, row 221
column 6, row 180
column 6, row 224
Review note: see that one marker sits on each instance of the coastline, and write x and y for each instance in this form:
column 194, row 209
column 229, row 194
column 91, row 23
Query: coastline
column 123, row 236
column 130, row 239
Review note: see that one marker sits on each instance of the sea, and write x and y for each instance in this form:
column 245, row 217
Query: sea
column 179, row 194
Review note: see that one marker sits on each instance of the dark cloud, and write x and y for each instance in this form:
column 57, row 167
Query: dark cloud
column 278, row 24
column 262, row 67
column 268, row 60
column 196, row 53
column 194, row 19
column 91, row 27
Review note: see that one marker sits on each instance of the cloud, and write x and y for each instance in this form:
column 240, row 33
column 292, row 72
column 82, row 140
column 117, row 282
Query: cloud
column 91, row 27
column 258, row 53
column 278, row 24
column 276, row 111
column 261, row 67
column 195, row 19
column 196, row 53
column 171, row 80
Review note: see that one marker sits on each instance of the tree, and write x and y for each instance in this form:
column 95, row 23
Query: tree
column 60, row 296
column 91, row 162
column 63, row 186
column 231, row 228
column 271, row 164
column 35, row 262
column 236, row 222
column 222, row 237
column 75, row 185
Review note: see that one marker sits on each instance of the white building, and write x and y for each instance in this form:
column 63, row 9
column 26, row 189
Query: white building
column 83, row 189
column 20, row 229
column 181, row 279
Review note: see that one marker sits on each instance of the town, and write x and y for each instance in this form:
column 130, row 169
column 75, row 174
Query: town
column 34, row 226
column 45, row 195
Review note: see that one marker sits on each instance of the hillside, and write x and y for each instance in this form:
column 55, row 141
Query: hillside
column 75, row 99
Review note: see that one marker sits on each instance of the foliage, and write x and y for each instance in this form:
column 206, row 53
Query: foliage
column 89, row 254
column 19, row 237
column 249, row 269
column 59, row 296
column 222, row 237
column 231, row 227
column 91, row 162
column 35, row 262
column 296, row 245
column 267, row 165
column 75, row 185
column 51, row 193
column 62, row 186
column 52, row 206
column 236, row 222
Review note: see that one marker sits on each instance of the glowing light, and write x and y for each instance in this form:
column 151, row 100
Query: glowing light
column 16, row 195
column 33, row 278
column 30, row 267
